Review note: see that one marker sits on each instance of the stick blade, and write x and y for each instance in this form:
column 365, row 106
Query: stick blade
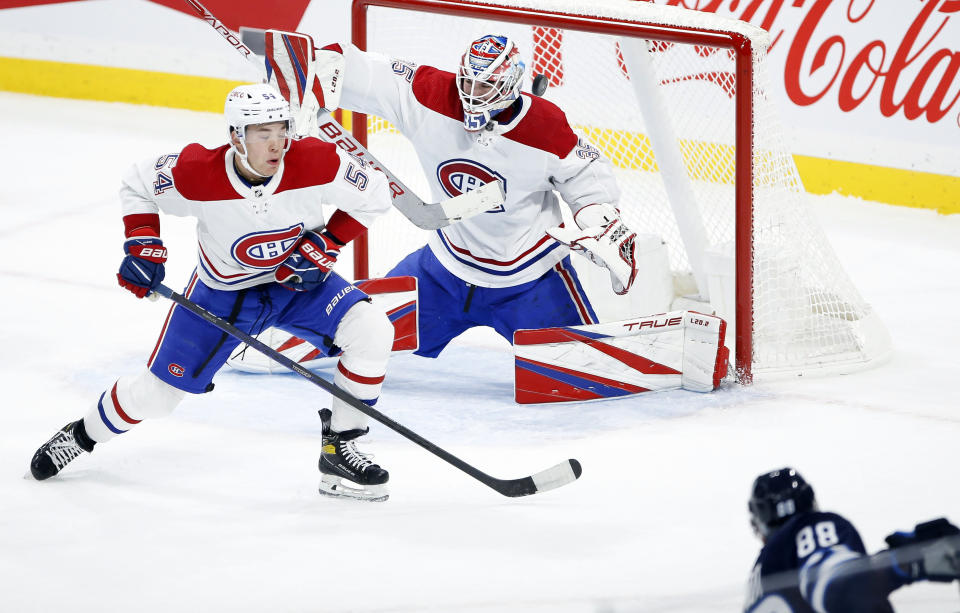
column 474, row 202
column 557, row 476
column 563, row 473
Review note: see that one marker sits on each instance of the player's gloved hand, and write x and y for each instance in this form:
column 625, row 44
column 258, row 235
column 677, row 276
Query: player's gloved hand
column 931, row 551
column 310, row 264
column 142, row 268
column 605, row 240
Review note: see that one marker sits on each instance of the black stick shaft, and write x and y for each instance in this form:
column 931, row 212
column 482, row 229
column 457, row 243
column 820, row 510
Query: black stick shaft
column 512, row 488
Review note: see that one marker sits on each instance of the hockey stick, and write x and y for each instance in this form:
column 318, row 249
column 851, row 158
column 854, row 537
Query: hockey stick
column 427, row 216
column 551, row 478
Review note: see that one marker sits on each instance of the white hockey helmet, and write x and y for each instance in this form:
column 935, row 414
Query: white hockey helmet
column 489, row 79
column 254, row 104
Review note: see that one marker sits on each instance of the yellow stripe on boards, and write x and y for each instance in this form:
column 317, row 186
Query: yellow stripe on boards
column 715, row 163
column 881, row 184
column 88, row 82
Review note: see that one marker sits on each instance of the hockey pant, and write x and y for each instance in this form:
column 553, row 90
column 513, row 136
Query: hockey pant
column 190, row 351
column 448, row 305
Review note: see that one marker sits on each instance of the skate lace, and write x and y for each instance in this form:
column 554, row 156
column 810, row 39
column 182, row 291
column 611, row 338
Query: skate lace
column 63, row 449
column 353, row 457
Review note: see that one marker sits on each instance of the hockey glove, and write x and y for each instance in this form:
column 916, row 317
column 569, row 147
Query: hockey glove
column 309, row 78
column 604, row 239
column 142, row 269
column 932, row 551
column 312, row 260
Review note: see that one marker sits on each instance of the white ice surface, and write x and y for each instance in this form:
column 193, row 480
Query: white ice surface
column 216, row 507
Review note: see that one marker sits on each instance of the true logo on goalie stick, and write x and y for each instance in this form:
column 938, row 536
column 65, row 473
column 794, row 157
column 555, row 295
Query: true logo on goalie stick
column 459, row 176
column 266, row 249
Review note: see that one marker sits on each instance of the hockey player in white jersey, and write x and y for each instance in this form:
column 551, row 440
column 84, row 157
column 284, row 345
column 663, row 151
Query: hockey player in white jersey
column 265, row 253
column 508, row 268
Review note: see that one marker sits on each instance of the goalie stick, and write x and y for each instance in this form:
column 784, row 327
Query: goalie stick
column 427, row 216
column 563, row 473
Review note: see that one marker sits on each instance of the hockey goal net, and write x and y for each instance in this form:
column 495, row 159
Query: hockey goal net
column 677, row 100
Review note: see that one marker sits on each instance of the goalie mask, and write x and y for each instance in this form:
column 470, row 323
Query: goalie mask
column 776, row 497
column 488, row 80
column 249, row 105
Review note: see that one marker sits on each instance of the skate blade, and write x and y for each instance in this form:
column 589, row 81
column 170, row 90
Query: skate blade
column 333, row 487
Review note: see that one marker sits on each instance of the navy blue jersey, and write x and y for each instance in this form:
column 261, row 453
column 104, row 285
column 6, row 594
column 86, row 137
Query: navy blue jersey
column 795, row 570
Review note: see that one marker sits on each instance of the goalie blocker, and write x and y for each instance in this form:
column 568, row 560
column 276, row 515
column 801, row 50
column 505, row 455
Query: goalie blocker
column 676, row 350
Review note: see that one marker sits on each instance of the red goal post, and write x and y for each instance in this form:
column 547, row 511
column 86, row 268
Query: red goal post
column 684, row 156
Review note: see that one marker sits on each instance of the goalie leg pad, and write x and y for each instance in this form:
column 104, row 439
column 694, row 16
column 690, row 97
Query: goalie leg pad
column 705, row 356
column 131, row 400
column 675, row 350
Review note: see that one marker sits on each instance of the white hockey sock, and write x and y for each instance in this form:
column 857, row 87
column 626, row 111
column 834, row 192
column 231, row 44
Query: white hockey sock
column 366, row 336
column 129, row 401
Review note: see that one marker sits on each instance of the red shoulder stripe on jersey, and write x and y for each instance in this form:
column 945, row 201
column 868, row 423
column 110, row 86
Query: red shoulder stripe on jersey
column 544, row 127
column 437, row 90
column 200, row 174
column 343, row 228
column 309, row 162
column 141, row 224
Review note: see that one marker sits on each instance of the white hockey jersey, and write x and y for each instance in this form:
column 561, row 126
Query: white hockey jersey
column 532, row 152
column 244, row 231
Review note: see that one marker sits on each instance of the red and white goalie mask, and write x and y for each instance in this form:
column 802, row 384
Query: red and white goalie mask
column 488, row 80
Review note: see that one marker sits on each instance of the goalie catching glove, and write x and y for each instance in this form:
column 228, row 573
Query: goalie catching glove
column 309, row 78
column 603, row 238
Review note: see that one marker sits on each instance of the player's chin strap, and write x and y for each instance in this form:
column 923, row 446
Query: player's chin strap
column 243, row 156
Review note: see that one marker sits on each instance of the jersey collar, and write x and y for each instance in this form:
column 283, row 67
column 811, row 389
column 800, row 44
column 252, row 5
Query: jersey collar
column 246, row 189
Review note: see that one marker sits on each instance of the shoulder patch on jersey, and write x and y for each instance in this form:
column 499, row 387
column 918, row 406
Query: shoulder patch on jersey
column 200, row 174
column 309, row 162
column 544, row 127
column 437, row 90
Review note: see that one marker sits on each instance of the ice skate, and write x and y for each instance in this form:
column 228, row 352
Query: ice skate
column 65, row 446
column 341, row 461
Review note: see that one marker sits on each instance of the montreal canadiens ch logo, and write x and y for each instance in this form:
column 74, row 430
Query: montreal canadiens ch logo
column 460, row 176
column 266, row 249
